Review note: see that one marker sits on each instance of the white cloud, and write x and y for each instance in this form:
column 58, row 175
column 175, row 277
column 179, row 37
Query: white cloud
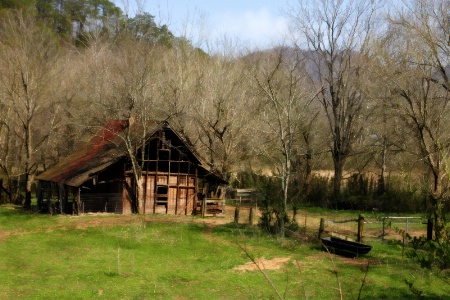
column 259, row 27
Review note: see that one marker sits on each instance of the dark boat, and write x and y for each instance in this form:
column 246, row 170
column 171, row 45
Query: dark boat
column 343, row 247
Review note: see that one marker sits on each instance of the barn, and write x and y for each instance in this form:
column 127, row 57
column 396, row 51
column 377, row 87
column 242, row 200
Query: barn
column 98, row 176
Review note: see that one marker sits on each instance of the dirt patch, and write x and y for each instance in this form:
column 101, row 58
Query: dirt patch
column 264, row 264
column 105, row 221
column 4, row 235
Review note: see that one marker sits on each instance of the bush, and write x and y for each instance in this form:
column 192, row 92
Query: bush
column 271, row 207
column 430, row 253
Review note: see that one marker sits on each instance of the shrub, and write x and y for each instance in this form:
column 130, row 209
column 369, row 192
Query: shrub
column 430, row 253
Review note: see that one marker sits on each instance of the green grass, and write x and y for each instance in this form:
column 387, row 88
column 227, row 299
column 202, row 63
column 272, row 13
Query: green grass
column 160, row 257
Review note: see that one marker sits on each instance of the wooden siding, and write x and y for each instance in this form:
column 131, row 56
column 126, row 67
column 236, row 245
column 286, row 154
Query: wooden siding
column 172, row 200
column 170, row 170
column 149, row 194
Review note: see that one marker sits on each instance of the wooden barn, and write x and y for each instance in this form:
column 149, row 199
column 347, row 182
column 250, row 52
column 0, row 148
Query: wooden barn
column 98, row 176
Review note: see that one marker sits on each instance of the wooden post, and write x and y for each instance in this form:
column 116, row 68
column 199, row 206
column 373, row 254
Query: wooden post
column 194, row 205
column 155, row 197
column 40, row 199
column 74, row 199
column 49, row 198
column 79, row 201
column 321, row 227
column 250, row 217
column 360, row 228
column 407, row 226
column 430, row 229
column 204, row 206
column 66, row 199
column 236, row 215
column 382, row 235
column 223, row 200
column 144, row 198
column 62, row 198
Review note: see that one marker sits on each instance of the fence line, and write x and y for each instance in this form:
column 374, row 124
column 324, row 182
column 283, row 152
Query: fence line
column 384, row 222
column 404, row 218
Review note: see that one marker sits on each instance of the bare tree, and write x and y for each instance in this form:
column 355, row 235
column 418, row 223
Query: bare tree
column 222, row 111
column 137, row 68
column 286, row 114
column 30, row 75
column 336, row 35
column 419, row 77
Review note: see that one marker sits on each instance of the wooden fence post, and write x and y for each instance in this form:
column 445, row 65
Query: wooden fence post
column 360, row 228
column 203, row 207
column 406, row 231
column 430, row 229
column 79, row 211
column 236, row 215
column 49, row 198
column 321, row 227
column 250, row 217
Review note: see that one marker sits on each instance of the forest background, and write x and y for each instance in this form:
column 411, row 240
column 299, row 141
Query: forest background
column 351, row 111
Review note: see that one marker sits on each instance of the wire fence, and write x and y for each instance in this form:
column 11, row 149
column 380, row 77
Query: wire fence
column 377, row 228
column 372, row 227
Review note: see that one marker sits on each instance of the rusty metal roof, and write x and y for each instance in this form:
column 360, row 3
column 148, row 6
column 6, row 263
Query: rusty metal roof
column 105, row 148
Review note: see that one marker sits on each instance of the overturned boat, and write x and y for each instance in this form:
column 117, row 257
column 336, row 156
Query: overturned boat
column 343, row 247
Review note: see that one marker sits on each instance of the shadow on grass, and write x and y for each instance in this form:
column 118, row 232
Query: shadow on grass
column 9, row 210
column 370, row 293
column 111, row 274
column 234, row 228
column 13, row 216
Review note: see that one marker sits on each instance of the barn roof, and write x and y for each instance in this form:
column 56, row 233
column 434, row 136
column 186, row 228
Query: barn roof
column 97, row 154
column 103, row 150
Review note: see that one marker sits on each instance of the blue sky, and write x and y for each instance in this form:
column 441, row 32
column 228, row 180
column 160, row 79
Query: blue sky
column 254, row 23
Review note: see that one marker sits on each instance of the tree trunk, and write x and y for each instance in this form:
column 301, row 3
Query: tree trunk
column 29, row 176
column 138, row 189
column 338, row 173
column 381, row 180
column 438, row 209
column 29, row 179
column 140, row 195
column 308, row 169
column 439, row 228
column 282, row 231
column 285, row 186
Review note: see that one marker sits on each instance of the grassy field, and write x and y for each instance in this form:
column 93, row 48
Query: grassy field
column 167, row 257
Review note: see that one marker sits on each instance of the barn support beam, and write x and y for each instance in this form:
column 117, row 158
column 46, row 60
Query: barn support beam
column 49, row 198
column 78, row 201
column 195, row 189
column 62, row 198
column 40, row 200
